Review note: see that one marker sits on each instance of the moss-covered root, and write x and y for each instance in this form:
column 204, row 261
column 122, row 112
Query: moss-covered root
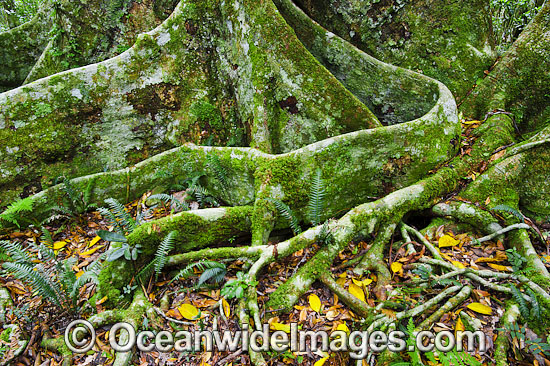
column 448, row 306
column 139, row 308
column 357, row 306
column 374, row 260
column 5, row 303
column 255, row 357
column 519, row 239
column 58, row 345
column 502, row 344
column 519, row 82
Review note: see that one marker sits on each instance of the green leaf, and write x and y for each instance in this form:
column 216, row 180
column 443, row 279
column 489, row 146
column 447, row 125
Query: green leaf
column 110, row 236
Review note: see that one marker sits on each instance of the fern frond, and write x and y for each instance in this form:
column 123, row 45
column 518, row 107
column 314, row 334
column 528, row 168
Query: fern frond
column 509, row 210
column 170, row 200
column 215, row 274
column 214, row 163
column 316, row 198
column 146, row 272
column 286, row 212
column 40, row 283
column 199, row 192
column 161, row 256
column 90, row 274
column 123, row 217
column 520, row 300
column 536, row 311
column 200, row 265
column 111, row 219
column 13, row 212
column 16, row 252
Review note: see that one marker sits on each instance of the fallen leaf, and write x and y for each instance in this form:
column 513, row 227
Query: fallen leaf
column 315, row 303
column 357, row 291
column 321, row 362
column 59, row 245
column 396, row 267
column 480, row 308
column 188, row 311
column 343, row 327
column 447, row 241
column 279, row 326
column 498, row 267
column 226, row 308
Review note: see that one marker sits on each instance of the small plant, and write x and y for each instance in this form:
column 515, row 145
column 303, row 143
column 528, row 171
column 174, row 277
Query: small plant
column 315, row 205
column 534, row 344
column 516, row 260
column 74, row 203
column 161, row 257
column 169, row 200
column 212, row 272
column 14, row 214
column 123, row 224
column 236, row 288
column 50, row 278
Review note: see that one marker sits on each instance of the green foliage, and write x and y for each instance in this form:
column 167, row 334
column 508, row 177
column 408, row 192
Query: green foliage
column 535, row 345
column 170, row 201
column 207, row 113
column 516, row 260
column 316, row 198
column 161, row 256
column 520, row 300
column 315, row 207
column 509, row 19
column 124, row 224
column 211, row 272
column 220, row 171
column 118, row 216
column 14, row 213
column 236, row 288
column 13, row 13
column 286, row 212
column 53, row 280
column 74, row 202
column 510, row 210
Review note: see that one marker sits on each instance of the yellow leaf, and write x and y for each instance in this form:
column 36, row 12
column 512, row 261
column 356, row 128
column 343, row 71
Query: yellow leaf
column 79, row 273
column 397, row 267
column 94, row 241
column 448, row 241
column 459, row 326
column 343, row 327
column 226, row 308
column 59, row 244
column 357, row 291
column 315, row 303
column 480, row 308
column 498, row 267
column 188, row 311
column 88, row 253
column 457, row 264
column 101, row 301
column 367, row 282
column 470, row 122
column 279, row 326
column 321, row 362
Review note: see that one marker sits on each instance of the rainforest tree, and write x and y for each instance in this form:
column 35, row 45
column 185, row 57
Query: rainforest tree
column 338, row 116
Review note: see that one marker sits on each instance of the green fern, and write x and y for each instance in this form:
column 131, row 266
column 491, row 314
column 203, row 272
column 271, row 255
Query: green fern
column 215, row 274
column 15, row 252
column 510, row 210
column 214, row 163
column 161, row 256
column 536, row 311
column 203, row 265
column 286, row 212
column 37, row 279
column 170, row 200
column 520, row 300
column 13, row 214
column 316, row 198
column 118, row 216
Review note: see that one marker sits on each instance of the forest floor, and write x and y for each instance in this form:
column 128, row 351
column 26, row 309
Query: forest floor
column 190, row 308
